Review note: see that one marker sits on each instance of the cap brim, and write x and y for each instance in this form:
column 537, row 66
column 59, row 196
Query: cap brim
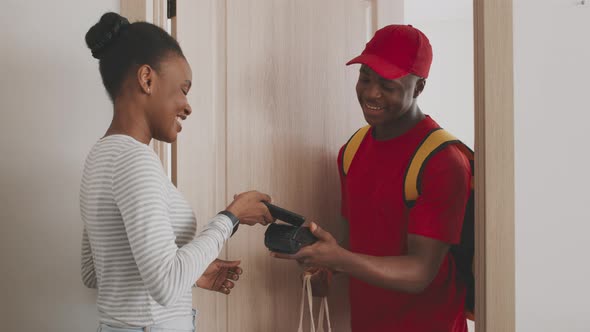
column 380, row 66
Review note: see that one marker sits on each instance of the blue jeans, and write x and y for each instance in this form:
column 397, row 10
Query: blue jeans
column 181, row 324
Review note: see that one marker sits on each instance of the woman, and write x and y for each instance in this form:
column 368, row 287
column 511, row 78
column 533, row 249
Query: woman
column 138, row 245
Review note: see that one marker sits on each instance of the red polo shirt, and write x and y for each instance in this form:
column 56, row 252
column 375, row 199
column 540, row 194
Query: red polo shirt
column 372, row 202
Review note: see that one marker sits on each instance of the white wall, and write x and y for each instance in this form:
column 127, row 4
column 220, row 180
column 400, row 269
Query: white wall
column 53, row 108
column 448, row 96
column 552, row 111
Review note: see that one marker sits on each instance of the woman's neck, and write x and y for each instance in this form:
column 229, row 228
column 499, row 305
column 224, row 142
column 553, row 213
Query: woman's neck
column 129, row 120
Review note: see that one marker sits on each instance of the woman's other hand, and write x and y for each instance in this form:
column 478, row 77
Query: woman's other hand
column 220, row 276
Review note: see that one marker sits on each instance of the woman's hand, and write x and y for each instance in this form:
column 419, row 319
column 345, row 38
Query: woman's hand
column 220, row 276
column 250, row 210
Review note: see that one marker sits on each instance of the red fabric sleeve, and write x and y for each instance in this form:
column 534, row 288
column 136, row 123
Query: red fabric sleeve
column 440, row 209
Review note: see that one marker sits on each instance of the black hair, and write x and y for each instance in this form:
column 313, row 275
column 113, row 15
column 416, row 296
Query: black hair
column 120, row 47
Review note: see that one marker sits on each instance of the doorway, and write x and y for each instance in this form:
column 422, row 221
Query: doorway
column 251, row 66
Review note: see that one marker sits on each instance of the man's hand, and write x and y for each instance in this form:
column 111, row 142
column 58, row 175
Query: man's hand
column 220, row 276
column 324, row 253
column 321, row 280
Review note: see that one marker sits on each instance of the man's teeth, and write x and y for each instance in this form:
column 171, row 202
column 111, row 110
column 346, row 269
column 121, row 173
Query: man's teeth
column 375, row 108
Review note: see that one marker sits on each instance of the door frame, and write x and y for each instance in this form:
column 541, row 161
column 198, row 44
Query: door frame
column 494, row 166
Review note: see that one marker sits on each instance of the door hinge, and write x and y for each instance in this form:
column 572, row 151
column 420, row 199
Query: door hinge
column 171, row 8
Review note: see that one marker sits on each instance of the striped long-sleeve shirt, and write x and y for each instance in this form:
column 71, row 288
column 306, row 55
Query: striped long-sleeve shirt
column 139, row 246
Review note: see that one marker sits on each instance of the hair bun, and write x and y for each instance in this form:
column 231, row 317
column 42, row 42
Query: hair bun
column 103, row 33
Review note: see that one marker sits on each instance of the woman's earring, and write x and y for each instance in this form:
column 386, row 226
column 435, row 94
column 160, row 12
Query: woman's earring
column 149, row 91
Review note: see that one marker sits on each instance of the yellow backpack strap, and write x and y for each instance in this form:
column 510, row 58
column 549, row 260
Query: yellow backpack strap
column 435, row 141
column 352, row 147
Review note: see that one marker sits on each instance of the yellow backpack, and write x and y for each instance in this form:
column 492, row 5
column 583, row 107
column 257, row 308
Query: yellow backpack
column 435, row 141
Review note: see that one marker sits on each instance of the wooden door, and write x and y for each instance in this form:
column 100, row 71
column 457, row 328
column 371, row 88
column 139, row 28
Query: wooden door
column 291, row 104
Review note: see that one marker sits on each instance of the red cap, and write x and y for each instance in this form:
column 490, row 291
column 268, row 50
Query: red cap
column 396, row 51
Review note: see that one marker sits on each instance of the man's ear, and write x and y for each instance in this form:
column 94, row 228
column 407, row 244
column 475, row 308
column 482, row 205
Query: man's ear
column 420, row 84
column 145, row 75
